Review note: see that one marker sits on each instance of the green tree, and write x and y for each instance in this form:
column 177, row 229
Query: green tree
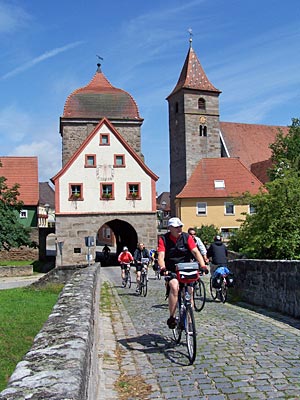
column 206, row 233
column 286, row 151
column 274, row 231
column 12, row 233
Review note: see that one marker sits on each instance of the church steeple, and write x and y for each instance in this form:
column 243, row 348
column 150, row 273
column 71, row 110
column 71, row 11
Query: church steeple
column 193, row 76
column 193, row 122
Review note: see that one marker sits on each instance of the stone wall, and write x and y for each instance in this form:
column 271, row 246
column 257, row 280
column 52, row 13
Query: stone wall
column 270, row 284
column 62, row 363
column 22, row 253
column 9, row 271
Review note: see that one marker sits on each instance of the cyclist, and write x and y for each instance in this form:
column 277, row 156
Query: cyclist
column 140, row 252
column 199, row 243
column 125, row 257
column 218, row 253
column 106, row 251
column 173, row 247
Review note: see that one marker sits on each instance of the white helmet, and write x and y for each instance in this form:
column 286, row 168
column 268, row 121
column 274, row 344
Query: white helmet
column 125, row 248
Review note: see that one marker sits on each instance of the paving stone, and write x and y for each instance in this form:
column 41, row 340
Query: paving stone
column 242, row 354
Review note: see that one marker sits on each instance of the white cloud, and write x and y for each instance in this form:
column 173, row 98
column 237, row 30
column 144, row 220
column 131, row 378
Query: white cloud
column 12, row 18
column 42, row 57
column 14, row 123
column 49, row 157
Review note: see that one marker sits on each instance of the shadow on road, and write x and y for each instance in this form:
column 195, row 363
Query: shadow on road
column 286, row 319
column 152, row 343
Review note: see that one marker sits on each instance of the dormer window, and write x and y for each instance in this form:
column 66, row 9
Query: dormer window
column 219, row 184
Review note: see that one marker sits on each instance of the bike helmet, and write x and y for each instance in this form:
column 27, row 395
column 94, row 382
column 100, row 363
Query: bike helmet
column 125, row 248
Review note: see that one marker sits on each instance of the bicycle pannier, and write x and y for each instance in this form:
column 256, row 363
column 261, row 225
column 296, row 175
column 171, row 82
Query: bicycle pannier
column 230, row 280
column 187, row 272
column 217, row 281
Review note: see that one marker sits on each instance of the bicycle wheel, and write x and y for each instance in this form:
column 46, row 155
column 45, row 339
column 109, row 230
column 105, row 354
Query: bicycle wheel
column 177, row 331
column 144, row 284
column 213, row 291
column 223, row 292
column 199, row 295
column 190, row 330
column 129, row 280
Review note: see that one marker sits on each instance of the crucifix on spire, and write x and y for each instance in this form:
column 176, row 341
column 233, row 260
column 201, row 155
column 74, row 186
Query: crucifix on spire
column 190, row 31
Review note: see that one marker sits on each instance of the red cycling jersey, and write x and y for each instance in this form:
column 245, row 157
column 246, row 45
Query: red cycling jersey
column 190, row 242
column 125, row 257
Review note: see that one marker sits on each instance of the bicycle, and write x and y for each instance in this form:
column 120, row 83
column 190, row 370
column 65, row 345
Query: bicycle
column 220, row 291
column 127, row 279
column 143, row 285
column 186, row 273
column 156, row 269
column 199, row 293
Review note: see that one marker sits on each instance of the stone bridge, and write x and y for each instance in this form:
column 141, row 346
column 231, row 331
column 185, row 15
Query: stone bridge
column 87, row 351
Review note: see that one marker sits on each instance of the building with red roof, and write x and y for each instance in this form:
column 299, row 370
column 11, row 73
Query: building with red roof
column 24, row 172
column 104, row 191
column 212, row 162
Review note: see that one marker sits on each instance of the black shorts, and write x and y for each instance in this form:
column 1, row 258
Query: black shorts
column 124, row 266
column 138, row 267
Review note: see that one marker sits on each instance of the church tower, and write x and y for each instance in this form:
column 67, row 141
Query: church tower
column 193, row 123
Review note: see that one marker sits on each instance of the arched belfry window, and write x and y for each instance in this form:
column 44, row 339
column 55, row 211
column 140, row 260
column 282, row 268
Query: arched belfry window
column 201, row 104
column 203, row 130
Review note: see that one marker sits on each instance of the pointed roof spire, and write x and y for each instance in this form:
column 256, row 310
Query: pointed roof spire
column 192, row 75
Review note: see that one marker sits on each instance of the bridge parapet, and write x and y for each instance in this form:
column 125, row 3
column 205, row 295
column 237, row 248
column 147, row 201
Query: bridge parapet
column 62, row 363
column 273, row 284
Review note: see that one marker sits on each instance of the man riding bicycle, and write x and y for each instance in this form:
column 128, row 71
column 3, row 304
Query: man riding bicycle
column 140, row 252
column 174, row 247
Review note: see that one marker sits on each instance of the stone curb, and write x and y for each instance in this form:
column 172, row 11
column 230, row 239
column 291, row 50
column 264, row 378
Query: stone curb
column 114, row 332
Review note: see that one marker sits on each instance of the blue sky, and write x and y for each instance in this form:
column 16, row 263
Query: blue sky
column 249, row 50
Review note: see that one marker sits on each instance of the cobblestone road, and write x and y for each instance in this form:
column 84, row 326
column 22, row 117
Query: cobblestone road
column 241, row 354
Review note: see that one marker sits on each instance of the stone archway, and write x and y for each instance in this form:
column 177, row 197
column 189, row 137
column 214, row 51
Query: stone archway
column 43, row 233
column 72, row 230
column 125, row 235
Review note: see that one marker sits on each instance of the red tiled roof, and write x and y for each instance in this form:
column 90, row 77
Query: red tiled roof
column 24, row 171
column 100, row 99
column 249, row 142
column 193, row 76
column 238, row 179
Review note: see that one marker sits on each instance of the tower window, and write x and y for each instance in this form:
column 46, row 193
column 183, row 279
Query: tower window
column 201, row 104
column 176, row 107
column 203, row 130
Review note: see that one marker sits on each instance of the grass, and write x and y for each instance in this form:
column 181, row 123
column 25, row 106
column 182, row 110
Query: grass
column 15, row 263
column 23, row 311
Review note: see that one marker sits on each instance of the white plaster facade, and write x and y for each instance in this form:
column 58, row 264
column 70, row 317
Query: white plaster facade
column 91, row 203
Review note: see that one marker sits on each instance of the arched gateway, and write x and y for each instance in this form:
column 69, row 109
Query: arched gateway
column 128, row 230
column 104, row 179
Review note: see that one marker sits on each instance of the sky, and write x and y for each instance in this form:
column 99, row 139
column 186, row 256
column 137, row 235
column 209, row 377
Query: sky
column 249, row 50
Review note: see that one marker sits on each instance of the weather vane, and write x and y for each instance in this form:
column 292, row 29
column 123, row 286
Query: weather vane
column 190, row 31
column 99, row 65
